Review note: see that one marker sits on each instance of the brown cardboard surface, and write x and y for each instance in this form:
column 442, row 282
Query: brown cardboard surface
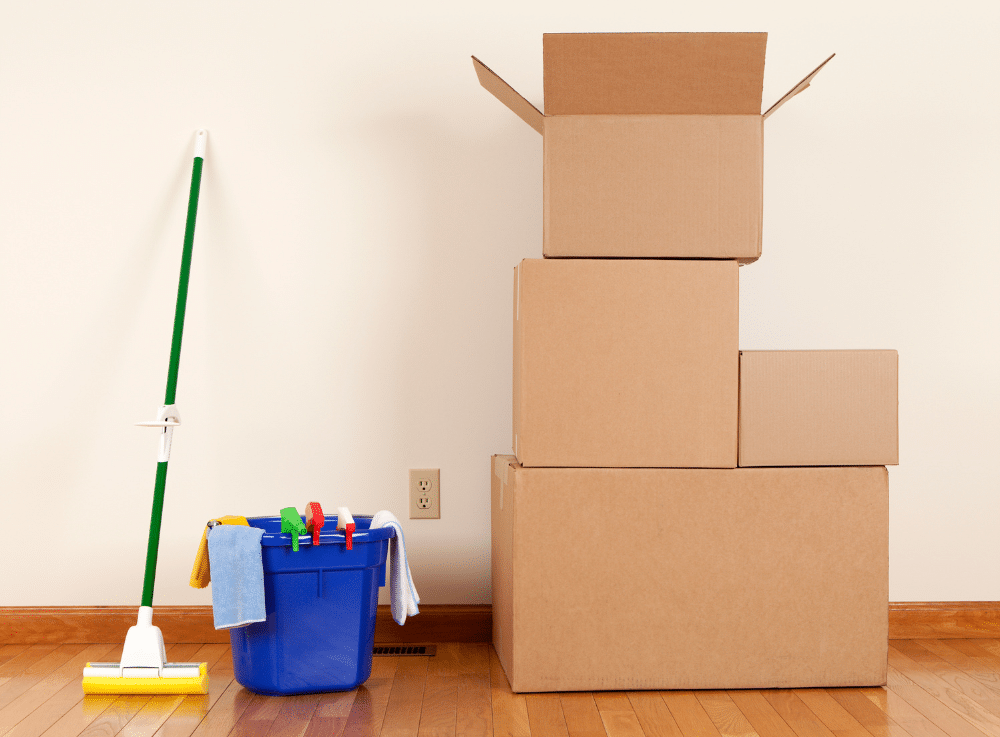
column 508, row 96
column 622, row 363
column 653, row 186
column 819, row 408
column 690, row 578
column 502, row 549
column 802, row 85
column 625, row 174
column 662, row 73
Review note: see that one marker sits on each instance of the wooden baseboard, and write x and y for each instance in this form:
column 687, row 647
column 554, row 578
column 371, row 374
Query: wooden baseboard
column 939, row 620
column 186, row 624
column 436, row 623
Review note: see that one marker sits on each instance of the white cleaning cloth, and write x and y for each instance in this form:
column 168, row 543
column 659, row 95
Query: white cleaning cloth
column 402, row 592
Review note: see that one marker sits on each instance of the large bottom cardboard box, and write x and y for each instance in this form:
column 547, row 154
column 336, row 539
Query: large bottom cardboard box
column 819, row 408
column 610, row 579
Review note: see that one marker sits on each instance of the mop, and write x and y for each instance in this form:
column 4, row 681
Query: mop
column 144, row 668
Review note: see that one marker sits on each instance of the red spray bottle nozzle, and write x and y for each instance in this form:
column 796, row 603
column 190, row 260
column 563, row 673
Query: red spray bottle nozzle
column 314, row 520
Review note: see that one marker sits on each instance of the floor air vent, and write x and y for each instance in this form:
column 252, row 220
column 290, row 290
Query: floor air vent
column 404, row 650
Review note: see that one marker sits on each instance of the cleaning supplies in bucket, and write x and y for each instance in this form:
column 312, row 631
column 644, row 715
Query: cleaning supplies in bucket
column 231, row 548
column 322, row 603
column 293, row 525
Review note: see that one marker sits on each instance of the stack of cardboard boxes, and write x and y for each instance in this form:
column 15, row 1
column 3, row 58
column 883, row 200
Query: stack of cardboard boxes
column 676, row 513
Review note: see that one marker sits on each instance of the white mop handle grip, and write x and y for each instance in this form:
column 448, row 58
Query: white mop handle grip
column 200, row 139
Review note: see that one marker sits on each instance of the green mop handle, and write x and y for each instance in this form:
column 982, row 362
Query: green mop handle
column 175, row 359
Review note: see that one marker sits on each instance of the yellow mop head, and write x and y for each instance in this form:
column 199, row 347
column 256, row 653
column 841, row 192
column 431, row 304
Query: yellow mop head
column 105, row 684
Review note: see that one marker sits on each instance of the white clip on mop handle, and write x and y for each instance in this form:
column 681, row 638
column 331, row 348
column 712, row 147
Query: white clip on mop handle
column 168, row 418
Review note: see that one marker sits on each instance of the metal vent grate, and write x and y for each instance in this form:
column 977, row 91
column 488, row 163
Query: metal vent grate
column 405, row 650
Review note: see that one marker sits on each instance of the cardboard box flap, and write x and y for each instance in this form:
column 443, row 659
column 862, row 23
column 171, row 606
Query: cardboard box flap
column 653, row 73
column 797, row 88
column 508, row 96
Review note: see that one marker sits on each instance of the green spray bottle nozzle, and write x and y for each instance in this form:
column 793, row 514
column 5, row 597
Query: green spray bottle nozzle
column 291, row 522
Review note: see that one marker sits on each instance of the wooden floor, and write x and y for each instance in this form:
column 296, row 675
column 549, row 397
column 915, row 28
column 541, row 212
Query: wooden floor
column 936, row 688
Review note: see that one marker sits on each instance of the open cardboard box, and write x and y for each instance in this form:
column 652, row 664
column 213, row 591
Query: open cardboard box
column 653, row 143
column 669, row 578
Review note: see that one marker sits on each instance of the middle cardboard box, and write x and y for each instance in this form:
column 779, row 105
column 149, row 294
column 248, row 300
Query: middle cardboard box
column 623, row 363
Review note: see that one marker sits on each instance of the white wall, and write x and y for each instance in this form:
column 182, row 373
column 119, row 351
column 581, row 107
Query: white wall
column 364, row 201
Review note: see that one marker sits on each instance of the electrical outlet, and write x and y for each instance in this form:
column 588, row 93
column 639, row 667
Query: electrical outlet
column 425, row 493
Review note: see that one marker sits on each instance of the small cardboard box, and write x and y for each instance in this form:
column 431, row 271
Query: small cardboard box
column 819, row 408
column 615, row 579
column 653, row 143
column 621, row 363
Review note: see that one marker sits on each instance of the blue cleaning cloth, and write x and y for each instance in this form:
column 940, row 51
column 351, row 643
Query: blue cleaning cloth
column 237, row 575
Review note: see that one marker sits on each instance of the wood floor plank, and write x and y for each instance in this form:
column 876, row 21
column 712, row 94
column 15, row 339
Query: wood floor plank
column 612, row 701
column 439, row 708
column 545, row 715
column 22, row 661
column 796, row 714
column 581, row 715
column 873, row 719
column 47, row 701
column 940, row 714
column 977, row 648
column 448, row 661
column 900, row 710
column 113, row 719
column 689, row 714
column 653, row 715
column 510, row 714
column 257, row 719
column 9, row 652
column 725, row 714
column 225, row 712
column 617, row 714
column 331, row 713
column 974, row 663
column 948, row 674
column 761, row 715
column 991, row 645
column 835, row 717
column 474, row 716
column 195, row 707
column 952, row 696
column 80, row 715
column 402, row 713
column 370, row 701
column 976, row 659
column 152, row 716
column 894, row 677
column 38, row 670
column 294, row 715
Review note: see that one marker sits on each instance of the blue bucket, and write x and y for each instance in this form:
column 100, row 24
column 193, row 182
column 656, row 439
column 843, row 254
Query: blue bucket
column 320, row 603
